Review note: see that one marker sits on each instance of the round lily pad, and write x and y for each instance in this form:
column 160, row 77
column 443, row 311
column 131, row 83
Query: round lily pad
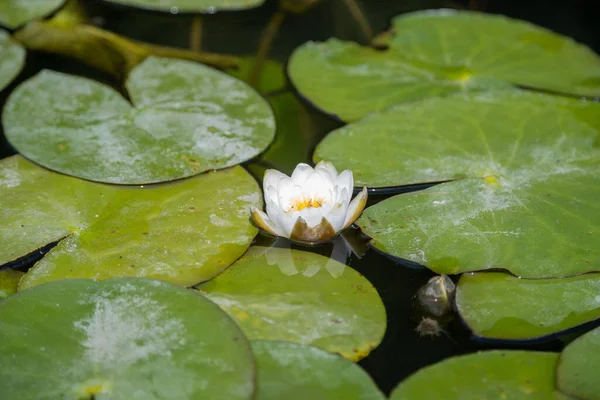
column 438, row 52
column 120, row 339
column 295, row 372
column 12, row 58
column 186, row 118
column 190, row 6
column 183, row 232
column 578, row 366
column 514, row 375
column 9, row 280
column 501, row 306
column 14, row 13
column 300, row 297
column 527, row 198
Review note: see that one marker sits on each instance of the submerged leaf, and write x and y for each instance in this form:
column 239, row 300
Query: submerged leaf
column 439, row 52
column 121, row 339
column 501, row 306
column 14, row 13
column 183, row 232
column 578, row 366
column 191, row 6
column 514, row 375
column 301, row 297
column 294, row 372
column 12, row 59
column 187, row 118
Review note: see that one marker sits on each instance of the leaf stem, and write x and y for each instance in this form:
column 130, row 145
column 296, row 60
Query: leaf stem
column 264, row 47
column 360, row 18
column 196, row 34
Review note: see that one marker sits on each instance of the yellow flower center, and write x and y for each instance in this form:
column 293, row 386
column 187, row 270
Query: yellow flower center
column 303, row 202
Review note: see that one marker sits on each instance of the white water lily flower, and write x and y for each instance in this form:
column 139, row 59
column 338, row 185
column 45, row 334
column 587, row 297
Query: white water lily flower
column 311, row 205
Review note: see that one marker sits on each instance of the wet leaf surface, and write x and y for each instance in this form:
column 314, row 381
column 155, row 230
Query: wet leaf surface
column 301, row 297
column 292, row 371
column 438, row 52
column 14, row 13
column 187, row 118
column 500, row 306
column 490, row 375
column 183, row 232
column 121, row 339
column 578, row 366
column 12, row 59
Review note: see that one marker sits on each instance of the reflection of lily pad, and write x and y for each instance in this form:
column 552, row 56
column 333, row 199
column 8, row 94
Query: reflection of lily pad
column 291, row 371
column 501, row 306
column 440, row 52
column 191, row 6
column 183, row 232
column 514, row 375
column 121, row 339
column 301, row 297
column 14, row 13
column 187, row 118
column 271, row 79
column 528, row 203
column 9, row 280
column 579, row 364
column 12, row 58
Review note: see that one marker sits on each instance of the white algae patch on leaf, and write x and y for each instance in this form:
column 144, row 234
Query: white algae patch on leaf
column 182, row 122
column 122, row 339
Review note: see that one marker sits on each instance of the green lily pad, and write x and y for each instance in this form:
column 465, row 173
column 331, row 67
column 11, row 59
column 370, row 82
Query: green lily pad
column 578, row 366
column 120, row 339
column 12, row 59
column 526, row 203
column 9, row 280
column 14, row 13
column 292, row 371
column 187, row 118
column 501, row 306
column 191, row 6
column 438, row 52
column 513, row 375
column 183, row 232
column 300, row 297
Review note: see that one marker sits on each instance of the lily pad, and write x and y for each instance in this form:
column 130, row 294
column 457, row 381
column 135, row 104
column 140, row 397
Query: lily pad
column 9, row 280
column 186, row 119
column 14, row 13
column 12, row 59
column 526, row 203
column 121, row 339
column 501, row 306
column 513, row 375
column 183, row 232
column 191, row 6
column 437, row 52
column 300, row 297
column 578, row 366
column 296, row 372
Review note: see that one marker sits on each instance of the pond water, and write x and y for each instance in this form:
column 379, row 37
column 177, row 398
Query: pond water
column 403, row 350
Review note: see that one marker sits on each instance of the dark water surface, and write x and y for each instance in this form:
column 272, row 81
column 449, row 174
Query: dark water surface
column 403, row 350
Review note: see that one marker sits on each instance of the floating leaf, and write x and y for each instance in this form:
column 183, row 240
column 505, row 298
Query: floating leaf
column 120, row 339
column 14, row 13
column 9, row 280
column 501, row 306
column 301, row 297
column 183, row 232
column 12, row 59
column 579, row 364
column 187, row 118
column 191, row 6
column 439, row 52
column 527, row 203
column 292, row 371
column 513, row 375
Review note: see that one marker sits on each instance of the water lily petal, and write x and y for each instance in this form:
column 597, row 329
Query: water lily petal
column 272, row 178
column 305, row 233
column 337, row 217
column 313, row 216
column 328, row 168
column 271, row 194
column 288, row 192
column 318, row 188
column 346, row 180
column 301, row 172
column 356, row 207
column 263, row 221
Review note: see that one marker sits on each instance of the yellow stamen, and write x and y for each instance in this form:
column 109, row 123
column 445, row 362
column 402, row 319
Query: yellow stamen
column 302, row 203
